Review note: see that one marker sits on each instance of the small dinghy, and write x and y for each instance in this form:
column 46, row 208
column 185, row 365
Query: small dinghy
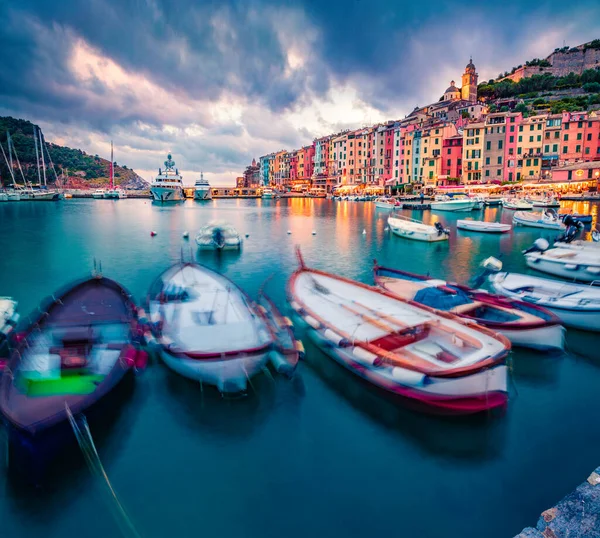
column 75, row 353
column 208, row 329
column 524, row 324
column 218, row 236
column 594, row 246
column 576, row 305
column 516, row 203
column 386, row 203
column 545, row 219
column 9, row 318
column 417, row 230
column 430, row 360
column 549, row 201
column 481, row 226
column 574, row 264
column 445, row 203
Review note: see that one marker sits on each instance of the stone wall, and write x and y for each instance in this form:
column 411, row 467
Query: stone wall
column 563, row 63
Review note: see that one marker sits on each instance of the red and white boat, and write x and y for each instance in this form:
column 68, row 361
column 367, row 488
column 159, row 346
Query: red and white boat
column 209, row 330
column 428, row 359
column 524, row 324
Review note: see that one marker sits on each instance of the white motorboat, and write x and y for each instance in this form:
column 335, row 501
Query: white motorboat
column 479, row 202
column 386, row 203
column 417, row 230
column 579, row 245
column 115, row 194
column 576, row 305
column 3, row 197
column 218, row 236
column 202, row 189
column 98, row 194
column 544, row 219
column 168, row 184
column 482, row 226
column 445, row 203
column 207, row 328
column 583, row 265
column 548, row 201
column 267, row 193
column 493, row 200
column 9, row 318
column 524, row 324
column 516, row 203
column 439, row 363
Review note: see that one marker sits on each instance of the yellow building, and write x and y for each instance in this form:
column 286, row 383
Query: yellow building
column 530, row 141
column 472, row 158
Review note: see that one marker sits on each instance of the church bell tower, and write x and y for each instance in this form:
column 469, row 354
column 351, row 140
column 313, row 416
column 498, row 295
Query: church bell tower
column 469, row 83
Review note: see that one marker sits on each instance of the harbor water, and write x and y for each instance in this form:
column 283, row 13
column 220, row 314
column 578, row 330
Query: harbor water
column 317, row 455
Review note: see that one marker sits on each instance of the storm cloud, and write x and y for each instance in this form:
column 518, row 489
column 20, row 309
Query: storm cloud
column 220, row 82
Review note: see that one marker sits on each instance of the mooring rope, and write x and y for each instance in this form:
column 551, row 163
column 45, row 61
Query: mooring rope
column 86, row 443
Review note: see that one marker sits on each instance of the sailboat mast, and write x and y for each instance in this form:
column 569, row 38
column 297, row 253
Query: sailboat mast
column 43, row 162
column 8, row 142
column 10, row 170
column 112, row 164
column 37, row 156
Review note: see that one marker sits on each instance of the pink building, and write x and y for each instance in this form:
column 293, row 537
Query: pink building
column 579, row 136
column 309, row 164
column 513, row 121
column 388, row 153
column 452, row 148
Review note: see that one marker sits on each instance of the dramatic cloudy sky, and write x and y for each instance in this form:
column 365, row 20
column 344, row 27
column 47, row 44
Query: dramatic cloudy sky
column 219, row 82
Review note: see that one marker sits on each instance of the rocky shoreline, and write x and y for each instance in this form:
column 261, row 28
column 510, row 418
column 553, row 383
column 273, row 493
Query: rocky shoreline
column 575, row 516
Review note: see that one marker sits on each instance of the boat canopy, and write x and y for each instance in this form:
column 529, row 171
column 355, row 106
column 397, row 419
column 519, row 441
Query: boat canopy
column 441, row 299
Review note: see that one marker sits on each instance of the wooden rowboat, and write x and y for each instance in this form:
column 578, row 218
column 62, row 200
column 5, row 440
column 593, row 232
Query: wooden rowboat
column 429, row 359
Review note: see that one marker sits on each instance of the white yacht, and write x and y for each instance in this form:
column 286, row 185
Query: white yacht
column 98, row 194
column 268, row 192
column 202, row 189
column 168, row 185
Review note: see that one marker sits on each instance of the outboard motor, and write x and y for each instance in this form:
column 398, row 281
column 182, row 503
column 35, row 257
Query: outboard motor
column 440, row 229
column 489, row 266
column 574, row 228
column 539, row 245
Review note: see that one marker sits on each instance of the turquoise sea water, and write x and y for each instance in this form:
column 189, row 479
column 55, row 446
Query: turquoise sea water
column 319, row 455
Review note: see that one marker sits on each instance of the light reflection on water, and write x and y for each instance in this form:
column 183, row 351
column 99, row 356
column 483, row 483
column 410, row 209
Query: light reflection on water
column 320, row 455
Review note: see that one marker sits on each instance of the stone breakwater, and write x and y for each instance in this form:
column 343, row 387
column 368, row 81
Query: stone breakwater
column 576, row 516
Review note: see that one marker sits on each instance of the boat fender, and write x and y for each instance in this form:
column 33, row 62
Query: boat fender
column 408, row 377
column 333, row 337
column 365, row 356
column 129, row 357
column 287, row 322
column 571, row 267
column 312, row 322
column 300, row 349
column 186, row 235
column 314, row 232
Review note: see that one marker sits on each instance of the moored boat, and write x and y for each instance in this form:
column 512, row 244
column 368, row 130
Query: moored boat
column 548, row 201
column 386, row 203
column 417, row 230
column 425, row 358
column 482, row 226
column 524, row 324
column 218, row 236
column 9, row 317
column 98, row 194
column 545, row 219
column 445, row 203
column 80, row 347
column 583, row 218
column 267, row 193
column 516, row 203
column 207, row 328
column 574, row 264
column 576, row 305
column 202, row 189
column 168, row 184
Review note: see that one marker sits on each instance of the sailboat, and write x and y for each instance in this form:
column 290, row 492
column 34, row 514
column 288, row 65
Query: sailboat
column 41, row 193
column 113, row 193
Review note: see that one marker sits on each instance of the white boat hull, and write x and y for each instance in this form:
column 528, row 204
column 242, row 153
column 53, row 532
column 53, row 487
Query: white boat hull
column 228, row 376
column 202, row 194
column 582, row 270
column 167, row 194
column 416, row 231
column 550, row 338
column 459, row 205
column 533, row 222
column 480, row 226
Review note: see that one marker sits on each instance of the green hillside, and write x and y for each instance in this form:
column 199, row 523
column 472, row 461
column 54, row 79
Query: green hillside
column 74, row 166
